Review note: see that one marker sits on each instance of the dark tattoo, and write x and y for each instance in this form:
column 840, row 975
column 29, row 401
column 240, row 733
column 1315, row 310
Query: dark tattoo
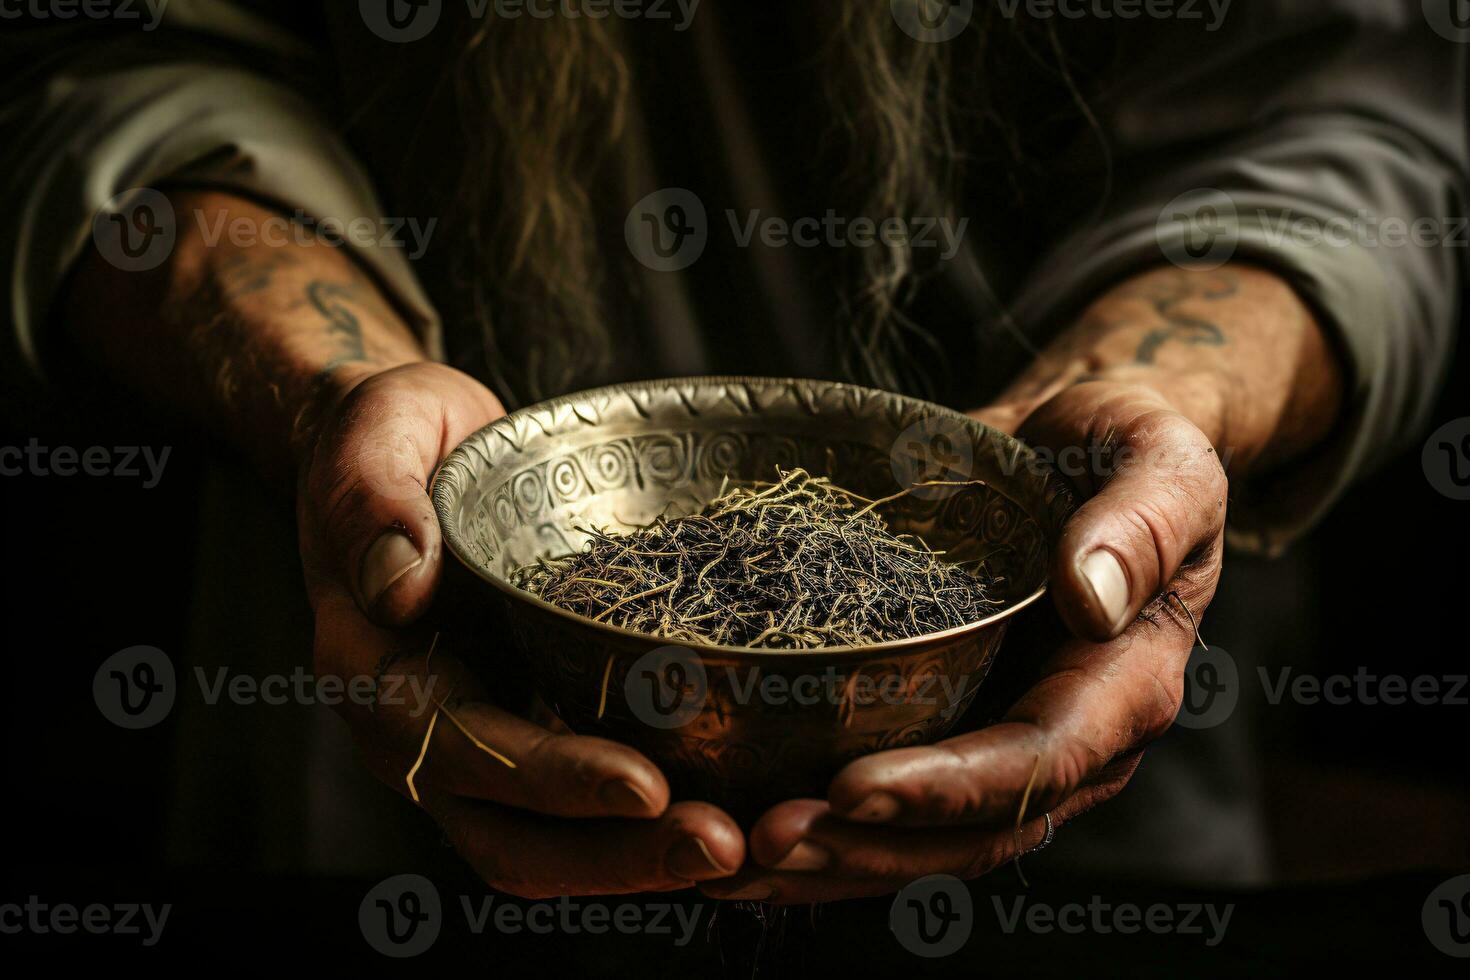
column 242, row 275
column 1166, row 295
column 330, row 299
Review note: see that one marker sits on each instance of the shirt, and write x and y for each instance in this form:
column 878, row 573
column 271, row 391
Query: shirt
column 1328, row 112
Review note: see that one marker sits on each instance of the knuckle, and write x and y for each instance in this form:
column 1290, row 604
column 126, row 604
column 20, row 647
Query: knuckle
column 1068, row 768
column 564, row 774
column 1164, row 698
column 956, row 796
column 877, row 864
column 992, row 854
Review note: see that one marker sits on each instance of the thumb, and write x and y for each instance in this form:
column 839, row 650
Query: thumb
column 1160, row 499
column 377, row 532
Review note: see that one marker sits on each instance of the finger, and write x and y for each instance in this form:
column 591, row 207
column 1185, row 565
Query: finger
column 367, row 488
column 535, row 769
column 1079, row 725
column 800, row 853
column 1161, row 503
column 538, row 857
column 473, row 748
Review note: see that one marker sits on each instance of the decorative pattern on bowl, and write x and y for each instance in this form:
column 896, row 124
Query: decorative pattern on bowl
column 742, row 727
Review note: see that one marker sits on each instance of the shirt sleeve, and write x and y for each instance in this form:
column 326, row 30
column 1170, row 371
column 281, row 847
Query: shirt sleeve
column 213, row 94
column 1325, row 141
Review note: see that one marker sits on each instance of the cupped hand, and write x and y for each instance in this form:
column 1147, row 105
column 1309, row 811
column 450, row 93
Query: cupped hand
column 536, row 812
column 1152, row 524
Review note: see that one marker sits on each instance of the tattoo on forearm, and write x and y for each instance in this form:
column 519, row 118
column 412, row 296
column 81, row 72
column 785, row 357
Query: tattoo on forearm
column 330, row 299
column 244, row 275
column 1166, row 295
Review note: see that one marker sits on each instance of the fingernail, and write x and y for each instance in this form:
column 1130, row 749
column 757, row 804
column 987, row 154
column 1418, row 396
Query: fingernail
column 1109, row 585
column 880, row 807
column 750, row 893
column 691, row 859
column 390, row 558
column 624, row 799
column 805, row 856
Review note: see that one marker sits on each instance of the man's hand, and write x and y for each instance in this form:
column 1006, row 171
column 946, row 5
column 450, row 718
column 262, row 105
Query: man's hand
column 536, row 812
column 294, row 353
column 1151, row 526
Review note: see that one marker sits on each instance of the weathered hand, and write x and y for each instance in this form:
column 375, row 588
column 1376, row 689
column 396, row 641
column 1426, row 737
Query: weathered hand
column 1152, row 524
column 548, row 813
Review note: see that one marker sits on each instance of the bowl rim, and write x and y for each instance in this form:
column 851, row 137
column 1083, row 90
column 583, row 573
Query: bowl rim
column 439, row 496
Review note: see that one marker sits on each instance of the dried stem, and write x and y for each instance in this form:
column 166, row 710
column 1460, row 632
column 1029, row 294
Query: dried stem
column 794, row 564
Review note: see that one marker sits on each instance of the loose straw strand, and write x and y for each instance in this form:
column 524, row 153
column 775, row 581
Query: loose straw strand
column 1192, row 624
column 1021, row 817
column 441, row 708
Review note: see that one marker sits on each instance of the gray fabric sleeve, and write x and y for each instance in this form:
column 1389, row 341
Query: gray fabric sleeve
column 1325, row 141
column 92, row 114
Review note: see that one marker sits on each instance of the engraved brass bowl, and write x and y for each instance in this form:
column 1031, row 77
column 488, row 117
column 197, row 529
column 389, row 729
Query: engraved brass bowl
column 738, row 726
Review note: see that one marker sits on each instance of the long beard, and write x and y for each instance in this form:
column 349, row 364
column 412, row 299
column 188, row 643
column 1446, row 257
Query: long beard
column 545, row 104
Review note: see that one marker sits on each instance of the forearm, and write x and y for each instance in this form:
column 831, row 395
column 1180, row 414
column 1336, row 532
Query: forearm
column 249, row 338
column 1233, row 349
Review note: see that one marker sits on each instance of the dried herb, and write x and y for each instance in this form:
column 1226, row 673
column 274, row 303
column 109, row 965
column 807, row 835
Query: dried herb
column 794, row 564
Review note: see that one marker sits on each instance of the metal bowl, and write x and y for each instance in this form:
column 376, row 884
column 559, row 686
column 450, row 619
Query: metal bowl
column 738, row 726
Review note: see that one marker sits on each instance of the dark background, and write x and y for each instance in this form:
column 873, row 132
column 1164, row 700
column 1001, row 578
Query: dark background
column 1369, row 806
